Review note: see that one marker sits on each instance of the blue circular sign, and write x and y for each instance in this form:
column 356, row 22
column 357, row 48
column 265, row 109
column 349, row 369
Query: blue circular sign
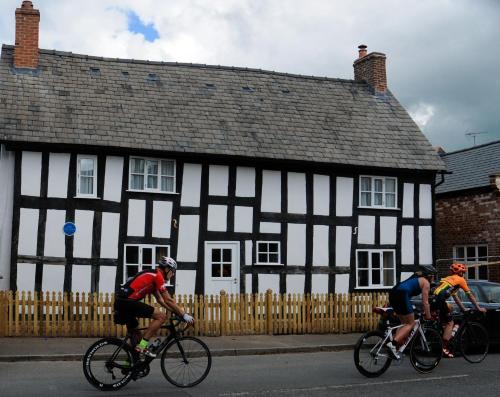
column 69, row 228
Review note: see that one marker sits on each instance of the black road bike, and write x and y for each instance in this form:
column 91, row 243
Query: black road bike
column 110, row 363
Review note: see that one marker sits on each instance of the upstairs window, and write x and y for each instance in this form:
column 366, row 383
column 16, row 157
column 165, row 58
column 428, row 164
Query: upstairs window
column 152, row 175
column 86, row 177
column 475, row 257
column 377, row 192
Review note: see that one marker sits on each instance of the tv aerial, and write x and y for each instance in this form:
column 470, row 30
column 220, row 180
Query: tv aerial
column 474, row 134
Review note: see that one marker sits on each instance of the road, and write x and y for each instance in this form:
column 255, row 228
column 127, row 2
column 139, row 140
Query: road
column 311, row 374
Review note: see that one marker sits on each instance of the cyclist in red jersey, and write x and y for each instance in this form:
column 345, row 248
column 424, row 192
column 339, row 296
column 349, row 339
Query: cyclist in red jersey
column 128, row 305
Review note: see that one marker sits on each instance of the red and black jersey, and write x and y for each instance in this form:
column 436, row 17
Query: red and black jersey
column 142, row 284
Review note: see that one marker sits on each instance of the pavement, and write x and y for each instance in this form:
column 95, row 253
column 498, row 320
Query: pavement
column 73, row 349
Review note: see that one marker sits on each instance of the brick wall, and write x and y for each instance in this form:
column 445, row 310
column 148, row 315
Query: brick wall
column 468, row 219
column 27, row 25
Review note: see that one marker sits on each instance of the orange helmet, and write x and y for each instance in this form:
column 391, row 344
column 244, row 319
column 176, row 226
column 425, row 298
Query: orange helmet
column 457, row 268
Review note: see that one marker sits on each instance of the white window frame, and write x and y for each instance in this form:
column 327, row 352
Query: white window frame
column 369, row 269
column 257, row 252
column 384, row 193
column 222, row 262
column 140, row 264
column 472, row 262
column 94, row 184
column 159, row 175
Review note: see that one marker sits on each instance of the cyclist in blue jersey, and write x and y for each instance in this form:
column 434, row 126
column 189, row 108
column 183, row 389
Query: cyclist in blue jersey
column 399, row 298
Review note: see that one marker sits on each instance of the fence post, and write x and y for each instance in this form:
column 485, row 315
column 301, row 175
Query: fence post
column 269, row 311
column 223, row 312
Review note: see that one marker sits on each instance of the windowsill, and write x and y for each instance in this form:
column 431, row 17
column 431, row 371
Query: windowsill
column 379, row 208
column 376, row 287
column 268, row 264
column 88, row 197
column 150, row 191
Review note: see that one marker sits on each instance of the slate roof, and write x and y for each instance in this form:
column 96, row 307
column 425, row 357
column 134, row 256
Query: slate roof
column 471, row 167
column 191, row 108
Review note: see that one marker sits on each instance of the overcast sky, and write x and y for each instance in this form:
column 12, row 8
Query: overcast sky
column 443, row 56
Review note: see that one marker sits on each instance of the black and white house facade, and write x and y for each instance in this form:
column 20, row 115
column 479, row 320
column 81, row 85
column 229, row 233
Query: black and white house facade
column 250, row 179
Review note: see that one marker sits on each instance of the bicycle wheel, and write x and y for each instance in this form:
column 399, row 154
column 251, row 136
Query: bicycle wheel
column 186, row 361
column 106, row 363
column 370, row 357
column 474, row 342
column 425, row 353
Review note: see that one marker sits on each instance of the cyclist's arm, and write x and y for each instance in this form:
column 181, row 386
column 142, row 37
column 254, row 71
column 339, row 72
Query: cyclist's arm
column 425, row 299
column 458, row 302
column 472, row 298
column 165, row 300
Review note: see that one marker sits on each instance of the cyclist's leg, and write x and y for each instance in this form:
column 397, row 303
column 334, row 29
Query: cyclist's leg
column 402, row 306
column 447, row 321
column 159, row 317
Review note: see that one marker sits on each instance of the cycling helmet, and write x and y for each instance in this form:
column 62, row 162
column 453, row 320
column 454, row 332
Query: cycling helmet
column 427, row 270
column 457, row 268
column 167, row 262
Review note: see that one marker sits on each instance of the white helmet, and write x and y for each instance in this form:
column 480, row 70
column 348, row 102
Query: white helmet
column 167, row 262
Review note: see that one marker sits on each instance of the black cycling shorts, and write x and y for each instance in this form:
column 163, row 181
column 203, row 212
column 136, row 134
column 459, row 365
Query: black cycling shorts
column 400, row 302
column 438, row 302
column 127, row 311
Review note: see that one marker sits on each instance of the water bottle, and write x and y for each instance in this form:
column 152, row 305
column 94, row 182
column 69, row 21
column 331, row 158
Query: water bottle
column 454, row 330
column 155, row 345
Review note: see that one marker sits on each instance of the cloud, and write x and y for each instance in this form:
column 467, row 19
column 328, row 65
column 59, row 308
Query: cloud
column 422, row 113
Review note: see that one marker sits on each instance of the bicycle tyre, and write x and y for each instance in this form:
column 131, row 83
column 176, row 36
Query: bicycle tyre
column 175, row 365
column 425, row 356
column 474, row 342
column 95, row 361
column 364, row 359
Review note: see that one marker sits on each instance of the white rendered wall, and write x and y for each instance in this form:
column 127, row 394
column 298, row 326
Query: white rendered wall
column 6, row 208
column 243, row 219
column 270, row 227
column 388, row 229
column 81, row 276
column 408, row 200
column 58, row 175
column 53, row 278
column 28, row 230
column 343, row 246
column 319, row 283
column 218, row 180
column 109, row 235
column 107, row 275
column 405, row 275
column 271, row 191
column 185, row 282
column 245, row 182
column 407, row 247
column 191, row 185
column 113, row 178
column 82, row 239
column 187, row 250
column 345, row 188
column 162, row 218
column 248, row 283
column 31, row 171
column 269, row 281
column 296, row 193
column 217, row 218
column 366, row 229
column 425, row 206
column 26, row 276
column 54, row 236
column 136, row 218
column 296, row 245
column 341, row 283
column 295, row 283
column 425, row 245
column 321, row 195
column 248, row 252
column 320, row 245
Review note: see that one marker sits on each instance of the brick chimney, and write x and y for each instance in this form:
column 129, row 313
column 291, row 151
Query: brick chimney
column 371, row 69
column 26, row 48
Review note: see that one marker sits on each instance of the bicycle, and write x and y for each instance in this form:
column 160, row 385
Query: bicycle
column 372, row 357
column 471, row 339
column 111, row 363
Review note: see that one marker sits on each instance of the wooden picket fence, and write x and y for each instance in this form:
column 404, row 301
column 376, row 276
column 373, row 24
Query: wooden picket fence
column 59, row 314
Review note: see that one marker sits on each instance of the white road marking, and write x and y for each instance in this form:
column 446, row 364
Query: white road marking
column 352, row 385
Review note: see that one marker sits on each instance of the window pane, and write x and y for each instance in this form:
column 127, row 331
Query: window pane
column 375, row 260
column 471, row 273
column 215, row 255
column 483, row 272
column 226, row 255
column 215, row 270
column 366, row 184
column 388, row 260
column 137, row 182
column 379, row 185
column 492, row 292
column 161, row 251
column 262, row 258
column 482, row 252
column 390, row 186
column 167, row 184
column 273, row 258
column 273, row 247
column 363, row 278
column 152, row 167
column 471, row 253
column 131, row 271
column 147, row 256
column 375, row 277
column 147, row 267
column 366, row 199
column 388, row 277
column 378, row 199
column 86, row 167
column 363, row 260
column 86, row 185
column 390, row 200
column 460, row 252
column 132, row 254
column 226, row 270
column 167, row 168
column 137, row 166
column 152, row 182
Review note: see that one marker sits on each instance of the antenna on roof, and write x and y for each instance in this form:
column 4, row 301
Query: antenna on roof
column 474, row 134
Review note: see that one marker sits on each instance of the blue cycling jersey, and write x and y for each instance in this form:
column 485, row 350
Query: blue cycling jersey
column 411, row 286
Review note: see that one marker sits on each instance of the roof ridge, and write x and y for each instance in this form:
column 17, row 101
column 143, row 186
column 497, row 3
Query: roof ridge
column 471, row 148
column 189, row 65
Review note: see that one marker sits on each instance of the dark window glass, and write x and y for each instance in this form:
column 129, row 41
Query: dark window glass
column 375, row 276
column 471, row 253
column 226, row 255
column 460, row 252
column 483, row 272
column 273, row 247
column 216, row 255
column 132, row 254
column 363, row 260
column 215, row 270
column 273, row 258
column 471, row 273
column 132, row 270
column 161, row 251
column 147, row 256
column 262, row 258
column 482, row 252
column 226, row 270
column 375, row 260
column 363, row 278
column 147, row 267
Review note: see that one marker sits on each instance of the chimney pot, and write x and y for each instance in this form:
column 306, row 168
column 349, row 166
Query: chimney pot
column 362, row 50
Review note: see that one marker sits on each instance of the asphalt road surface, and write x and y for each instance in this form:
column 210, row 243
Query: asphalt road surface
column 308, row 374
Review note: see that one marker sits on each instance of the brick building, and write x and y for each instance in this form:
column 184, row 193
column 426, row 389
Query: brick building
column 468, row 211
